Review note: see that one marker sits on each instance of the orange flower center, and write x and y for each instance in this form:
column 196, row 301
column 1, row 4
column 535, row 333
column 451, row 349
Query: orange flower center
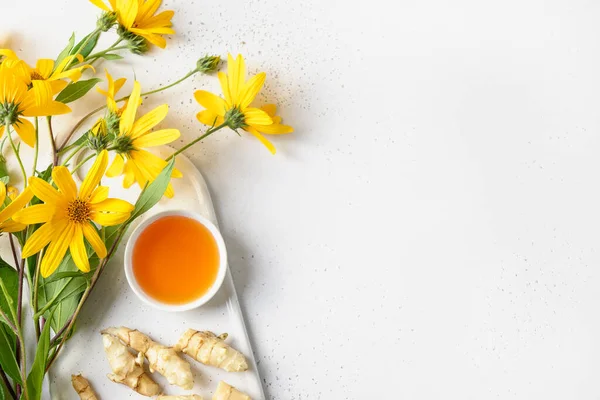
column 35, row 76
column 78, row 211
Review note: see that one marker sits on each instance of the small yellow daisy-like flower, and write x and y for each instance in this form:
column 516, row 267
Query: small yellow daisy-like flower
column 16, row 204
column 138, row 17
column 16, row 102
column 67, row 215
column 235, row 109
column 46, row 70
column 137, row 164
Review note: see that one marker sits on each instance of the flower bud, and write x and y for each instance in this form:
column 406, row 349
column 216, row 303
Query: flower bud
column 234, row 118
column 208, row 64
column 106, row 21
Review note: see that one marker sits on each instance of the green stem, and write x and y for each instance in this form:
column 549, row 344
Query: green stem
column 36, row 150
column 160, row 89
column 17, row 155
column 53, row 142
column 193, row 142
column 110, row 48
column 81, row 121
column 88, row 158
column 77, row 150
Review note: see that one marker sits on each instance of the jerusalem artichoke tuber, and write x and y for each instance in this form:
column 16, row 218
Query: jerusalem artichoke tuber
column 162, row 359
column 212, row 350
column 127, row 369
column 228, row 392
column 83, row 388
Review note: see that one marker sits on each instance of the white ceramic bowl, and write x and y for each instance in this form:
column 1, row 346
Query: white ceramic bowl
column 175, row 307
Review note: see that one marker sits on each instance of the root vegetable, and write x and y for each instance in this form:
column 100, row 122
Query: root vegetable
column 162, row 359
column 128, row 369
column 210, row 349
column 228, row 392
column 184, row 397
column 83, row 388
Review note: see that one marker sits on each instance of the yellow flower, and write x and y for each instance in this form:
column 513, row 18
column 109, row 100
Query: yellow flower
column 111, row 92
column 67, row 216
column 235, row 109
column 137, row 164
column 8, row 211
column 16, row 102
column 45, row 69
column 137, row 17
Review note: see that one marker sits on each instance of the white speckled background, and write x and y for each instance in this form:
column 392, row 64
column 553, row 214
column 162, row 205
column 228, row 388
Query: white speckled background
column 431, row 230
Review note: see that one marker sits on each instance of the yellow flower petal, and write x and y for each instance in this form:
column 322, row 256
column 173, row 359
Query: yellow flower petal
column 176, row 173
column 11, row 226
column 40, row 238
column 89, row 231
column 109, row 219
column 2, row 192
column 113, row 205
column 26, row 131
column 127, row 11
column 251, row 89
column 274, row 129
column 128, row 116
column 44, row 67
column 236, row 75
column 262, row 139
column 78, row 252
column 35, row 214
column 100, row 194
column 63, row 179
column 156, row 40
column 225, row 88
column 44, row 191
column 209, row 118
column 116, row 168
column 100, row 4
column 16, row 204
column 94, row 176
column 149, row 120
column 157, row 138
column 56, row 250
column 170, row 192
column 211, row 102
column 119, row 84
column 270, row 109
column 129, row 174
column 255, row 116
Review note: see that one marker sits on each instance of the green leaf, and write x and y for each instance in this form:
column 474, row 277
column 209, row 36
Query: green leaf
column 67, row 50
column 35, row 378
column 111, row 56
column 10, row 281
column 89, row 45
column 153, row 192
column 68, row 295
column 57, row 276
column 3, row 391
column 75, row 90
column 8, row 358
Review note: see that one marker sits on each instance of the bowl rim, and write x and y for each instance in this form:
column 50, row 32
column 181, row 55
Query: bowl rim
column 128, row 262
